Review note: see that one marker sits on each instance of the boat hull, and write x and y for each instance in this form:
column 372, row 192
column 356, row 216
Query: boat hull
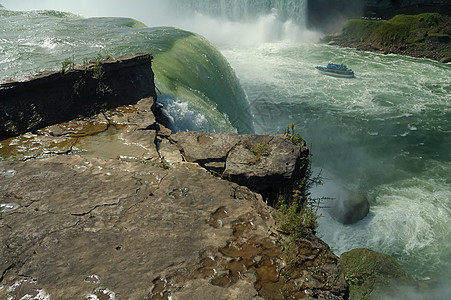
column 336, row 74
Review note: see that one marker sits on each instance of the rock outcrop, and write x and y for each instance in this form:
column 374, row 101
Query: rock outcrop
column 263, row 163
column 373, row 275
column 116, row 207
column 54, row 97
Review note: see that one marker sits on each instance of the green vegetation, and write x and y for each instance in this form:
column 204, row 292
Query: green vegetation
column 259, row 150
column 352, row 279
column 399, row 29
column 97, row 70
column 295, row 218
column 292, row 136
column 79, row 84
column 422, row 35
column 296, row 212
column 67, row 65
column 359, row 29
column 371, row 273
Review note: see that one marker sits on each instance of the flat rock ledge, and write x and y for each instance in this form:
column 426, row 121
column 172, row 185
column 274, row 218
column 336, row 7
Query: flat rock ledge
column 116, row 207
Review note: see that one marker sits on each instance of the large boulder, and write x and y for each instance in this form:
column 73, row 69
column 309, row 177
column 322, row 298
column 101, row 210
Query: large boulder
column 372, row 275
column 208, row 150
column 350, row 207
column 264, row 163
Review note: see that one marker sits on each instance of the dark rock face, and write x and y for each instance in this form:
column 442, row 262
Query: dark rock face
column 327, row 15
column 55, row 97
column 352, row 208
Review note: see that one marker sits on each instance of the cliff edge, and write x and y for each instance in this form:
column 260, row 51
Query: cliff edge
column 113, row 205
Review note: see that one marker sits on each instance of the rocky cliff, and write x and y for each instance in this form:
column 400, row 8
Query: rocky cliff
column 115, row 206
column 59, row 96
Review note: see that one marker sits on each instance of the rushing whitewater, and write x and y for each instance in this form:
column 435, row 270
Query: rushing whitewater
column 385, row 134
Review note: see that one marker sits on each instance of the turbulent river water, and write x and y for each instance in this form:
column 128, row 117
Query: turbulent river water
column 385, row 134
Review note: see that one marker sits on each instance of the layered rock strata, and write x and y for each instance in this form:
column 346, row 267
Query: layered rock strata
column 75, row 91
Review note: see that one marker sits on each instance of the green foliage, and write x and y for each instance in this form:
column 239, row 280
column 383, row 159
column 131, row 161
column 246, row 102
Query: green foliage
column 391, row 32
column 259, row 150
column 293, row 137
column 352, row 279
column 296, row 212
column 399, row 30
column 295, row 218
column 79, row 84
column 67, row 65
column 359, row 29
column 97, row 70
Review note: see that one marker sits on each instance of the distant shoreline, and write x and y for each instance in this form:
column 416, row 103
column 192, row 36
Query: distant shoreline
column 425, row 35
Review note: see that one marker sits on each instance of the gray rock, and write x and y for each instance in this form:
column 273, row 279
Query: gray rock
column 264, row 163
column 350, row 207
column 205, row 149
column 261, row 162
column 126, row 223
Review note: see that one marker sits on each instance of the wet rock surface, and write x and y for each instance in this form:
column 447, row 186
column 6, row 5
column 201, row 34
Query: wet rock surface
column 119, row 209
column 351, row 208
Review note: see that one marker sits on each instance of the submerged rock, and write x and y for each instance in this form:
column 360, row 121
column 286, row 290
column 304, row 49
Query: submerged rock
column 350, row 208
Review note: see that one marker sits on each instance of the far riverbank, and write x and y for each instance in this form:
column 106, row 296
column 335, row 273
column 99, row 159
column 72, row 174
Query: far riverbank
column 425, row 35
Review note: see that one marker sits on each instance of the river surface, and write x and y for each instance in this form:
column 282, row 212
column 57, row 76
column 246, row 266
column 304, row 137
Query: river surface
column 385, row 134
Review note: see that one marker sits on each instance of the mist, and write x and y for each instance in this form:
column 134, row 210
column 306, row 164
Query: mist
column 262, row 28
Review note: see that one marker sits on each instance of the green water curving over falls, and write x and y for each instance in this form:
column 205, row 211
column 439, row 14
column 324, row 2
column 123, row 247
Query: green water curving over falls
column 385, row 134
column 40, row 40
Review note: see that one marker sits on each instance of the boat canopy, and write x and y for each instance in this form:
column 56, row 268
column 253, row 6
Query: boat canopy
column 337, row 66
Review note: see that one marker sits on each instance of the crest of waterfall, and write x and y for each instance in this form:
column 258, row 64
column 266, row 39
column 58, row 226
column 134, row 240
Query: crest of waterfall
column 246, row 11
column 231, row 22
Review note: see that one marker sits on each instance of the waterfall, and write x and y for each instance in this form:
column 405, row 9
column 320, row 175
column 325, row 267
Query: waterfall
column 251, row 22
column 247, row 11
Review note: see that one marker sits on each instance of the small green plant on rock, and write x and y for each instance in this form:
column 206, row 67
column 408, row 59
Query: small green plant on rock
column 296, row 218
column 352, row 279
column 259, row 150
column 97, row 70
column 293, row 137
column 79, row 84
column 66, row 65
